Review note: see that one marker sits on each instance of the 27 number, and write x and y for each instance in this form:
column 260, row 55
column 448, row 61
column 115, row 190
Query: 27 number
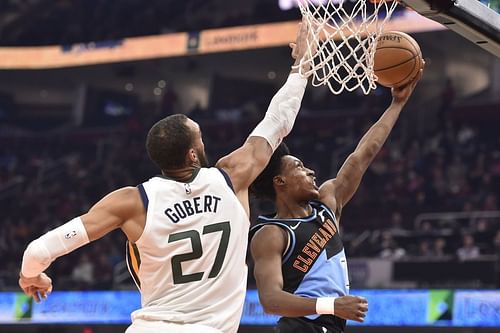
column 197, row 252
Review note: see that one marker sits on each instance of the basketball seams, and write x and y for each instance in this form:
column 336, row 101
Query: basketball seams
column 411, row 74
column 392, row 66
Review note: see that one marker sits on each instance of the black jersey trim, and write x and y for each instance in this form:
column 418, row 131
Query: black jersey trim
column 144, row 196
column 309, row 218
column 226, row 177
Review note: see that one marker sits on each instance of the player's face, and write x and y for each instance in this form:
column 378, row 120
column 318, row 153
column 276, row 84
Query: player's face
column 198, row 145
column 299, row 182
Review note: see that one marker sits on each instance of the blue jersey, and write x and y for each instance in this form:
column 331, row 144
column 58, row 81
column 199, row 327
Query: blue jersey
column 314, row 262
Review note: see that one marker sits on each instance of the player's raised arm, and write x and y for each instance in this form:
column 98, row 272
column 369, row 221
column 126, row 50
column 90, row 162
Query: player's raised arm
column 337, row 192
column 113, row 211
column 245, row 164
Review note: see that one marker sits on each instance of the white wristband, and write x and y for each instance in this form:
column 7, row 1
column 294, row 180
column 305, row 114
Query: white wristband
column 60, row 241
column 325, row 305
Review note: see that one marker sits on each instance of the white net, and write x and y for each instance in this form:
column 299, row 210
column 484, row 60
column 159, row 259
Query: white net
column 342, row 41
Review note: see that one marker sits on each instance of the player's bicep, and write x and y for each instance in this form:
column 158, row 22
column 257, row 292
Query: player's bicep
column 111, row 212
column 349, row 178
column 267, row 248
column 337, row 192
column 247, row 162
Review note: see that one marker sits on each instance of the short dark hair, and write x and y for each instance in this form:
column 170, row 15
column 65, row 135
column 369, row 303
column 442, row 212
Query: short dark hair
column 168, row 142
column 263, row 186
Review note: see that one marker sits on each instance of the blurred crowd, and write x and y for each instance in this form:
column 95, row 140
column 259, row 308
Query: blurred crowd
column 48, row 178
column 42, row 22
column 46, row 22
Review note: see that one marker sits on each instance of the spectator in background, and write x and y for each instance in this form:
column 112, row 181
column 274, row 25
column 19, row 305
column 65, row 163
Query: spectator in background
column 83, row 273
column 468, row 250
column 424, row 249
column 169, row 101
column 396, row 228
column 440, row 248
column 482, row 233
column 104, row 276
column 389, row 248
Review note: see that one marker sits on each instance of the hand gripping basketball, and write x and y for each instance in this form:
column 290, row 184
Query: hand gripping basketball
column 402, row 93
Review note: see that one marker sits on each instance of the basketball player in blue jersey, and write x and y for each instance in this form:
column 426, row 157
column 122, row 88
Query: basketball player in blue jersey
column 300, row 263
column 187, row 228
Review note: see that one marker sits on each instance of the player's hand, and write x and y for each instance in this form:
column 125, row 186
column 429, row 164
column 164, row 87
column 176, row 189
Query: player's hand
column 38, row 287
column 403, row 93
column 302, row 43
column 351, row 308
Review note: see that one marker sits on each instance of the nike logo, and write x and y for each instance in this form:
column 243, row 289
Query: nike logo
column 295, row 226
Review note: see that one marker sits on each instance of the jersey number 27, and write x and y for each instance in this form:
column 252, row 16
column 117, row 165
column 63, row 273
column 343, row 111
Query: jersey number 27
column 197, row 252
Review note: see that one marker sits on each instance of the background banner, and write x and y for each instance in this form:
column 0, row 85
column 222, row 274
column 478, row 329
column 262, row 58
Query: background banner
column 460, row 308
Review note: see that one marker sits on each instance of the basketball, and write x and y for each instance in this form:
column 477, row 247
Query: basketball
column 398, row 59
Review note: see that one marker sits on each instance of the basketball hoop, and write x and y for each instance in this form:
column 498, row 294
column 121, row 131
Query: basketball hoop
column 342, row 41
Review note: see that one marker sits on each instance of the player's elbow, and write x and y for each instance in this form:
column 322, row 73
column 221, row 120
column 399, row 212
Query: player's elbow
column 271, row 308
column 37, row 252
column 367, row 153
column 35, row 258
column 270, row 305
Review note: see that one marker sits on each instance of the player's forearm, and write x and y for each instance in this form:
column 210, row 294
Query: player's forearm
column 41, row 252
column 374, row 139
column 282, row 111
column 284, row 304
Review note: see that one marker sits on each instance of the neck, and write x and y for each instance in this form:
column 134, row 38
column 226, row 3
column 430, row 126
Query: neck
column 183, row 175
column 286, row 209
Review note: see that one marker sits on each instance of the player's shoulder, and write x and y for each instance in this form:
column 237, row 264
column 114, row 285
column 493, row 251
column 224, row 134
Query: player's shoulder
column 222, row 176
column 265, row 230
column 268, row 237
column 123, row 202
column 125, row 195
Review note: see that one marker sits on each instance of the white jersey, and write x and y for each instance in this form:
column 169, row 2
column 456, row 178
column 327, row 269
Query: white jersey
column 189, row 262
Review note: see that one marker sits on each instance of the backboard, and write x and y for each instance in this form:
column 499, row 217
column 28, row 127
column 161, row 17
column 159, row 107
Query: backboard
column 478, row 21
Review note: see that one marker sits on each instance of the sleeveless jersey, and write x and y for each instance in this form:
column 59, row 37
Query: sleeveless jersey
column 189, row 263
column 314, row 263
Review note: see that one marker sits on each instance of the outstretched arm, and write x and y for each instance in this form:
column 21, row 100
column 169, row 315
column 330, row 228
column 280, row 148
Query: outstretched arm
column 337, row 192
column 117, row 210
column 267, row 247
column 246, row 163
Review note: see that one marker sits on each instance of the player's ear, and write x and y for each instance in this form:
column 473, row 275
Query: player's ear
column 192, row 156
column 279, row 180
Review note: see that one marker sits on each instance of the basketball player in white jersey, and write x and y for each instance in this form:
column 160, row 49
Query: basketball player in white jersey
column 187, row 229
